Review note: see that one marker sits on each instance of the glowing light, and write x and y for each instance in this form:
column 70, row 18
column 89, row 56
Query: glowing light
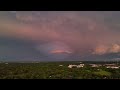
column 60, row 51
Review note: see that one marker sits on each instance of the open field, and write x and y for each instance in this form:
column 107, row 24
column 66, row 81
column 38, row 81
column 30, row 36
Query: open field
column 56, row 70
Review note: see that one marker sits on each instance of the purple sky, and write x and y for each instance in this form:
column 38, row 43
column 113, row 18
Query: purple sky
column 52, row 35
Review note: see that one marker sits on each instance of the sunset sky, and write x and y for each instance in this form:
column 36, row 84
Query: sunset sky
column 59, row 35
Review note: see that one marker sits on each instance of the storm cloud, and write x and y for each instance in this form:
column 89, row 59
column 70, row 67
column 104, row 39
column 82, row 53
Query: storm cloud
column 72, row 32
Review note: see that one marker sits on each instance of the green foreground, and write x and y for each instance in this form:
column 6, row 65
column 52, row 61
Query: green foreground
column 52, row 70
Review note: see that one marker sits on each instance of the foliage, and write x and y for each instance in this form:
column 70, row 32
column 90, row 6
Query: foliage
column 52, row 70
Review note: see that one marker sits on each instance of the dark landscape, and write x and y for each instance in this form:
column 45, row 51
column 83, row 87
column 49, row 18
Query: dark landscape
column 60, row 70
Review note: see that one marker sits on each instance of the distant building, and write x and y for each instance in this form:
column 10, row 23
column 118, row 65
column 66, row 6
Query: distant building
column 79, row 62
column 60, row 65
column 81, row 65
column 113, row 67
column 71, row 66
column 95, row 65
column 77, row 66
column 110, row 64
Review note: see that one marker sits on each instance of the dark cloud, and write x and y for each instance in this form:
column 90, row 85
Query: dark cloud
column 82, row 33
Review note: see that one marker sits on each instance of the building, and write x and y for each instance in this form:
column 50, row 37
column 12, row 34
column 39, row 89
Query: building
column 77, row 66
column 95, row 65
column 113, row 67
column 60, row 65
column 71, row 66
column 81, row 65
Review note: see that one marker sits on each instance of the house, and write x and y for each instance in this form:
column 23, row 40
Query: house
column 113, row 67
column 77, row 66
column 71, row 66
column 79, row 62
column 81, row 65
column 60, row 65
column 110, row 64
column 95, row 65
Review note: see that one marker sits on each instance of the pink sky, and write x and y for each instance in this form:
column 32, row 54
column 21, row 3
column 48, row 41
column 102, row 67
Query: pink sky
column 77, row 31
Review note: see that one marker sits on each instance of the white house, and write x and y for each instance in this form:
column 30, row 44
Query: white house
column 113, row 67
column 81, row 65
column 95, row 65
column 71, row 66
column 77, row 66
column 60, row 65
